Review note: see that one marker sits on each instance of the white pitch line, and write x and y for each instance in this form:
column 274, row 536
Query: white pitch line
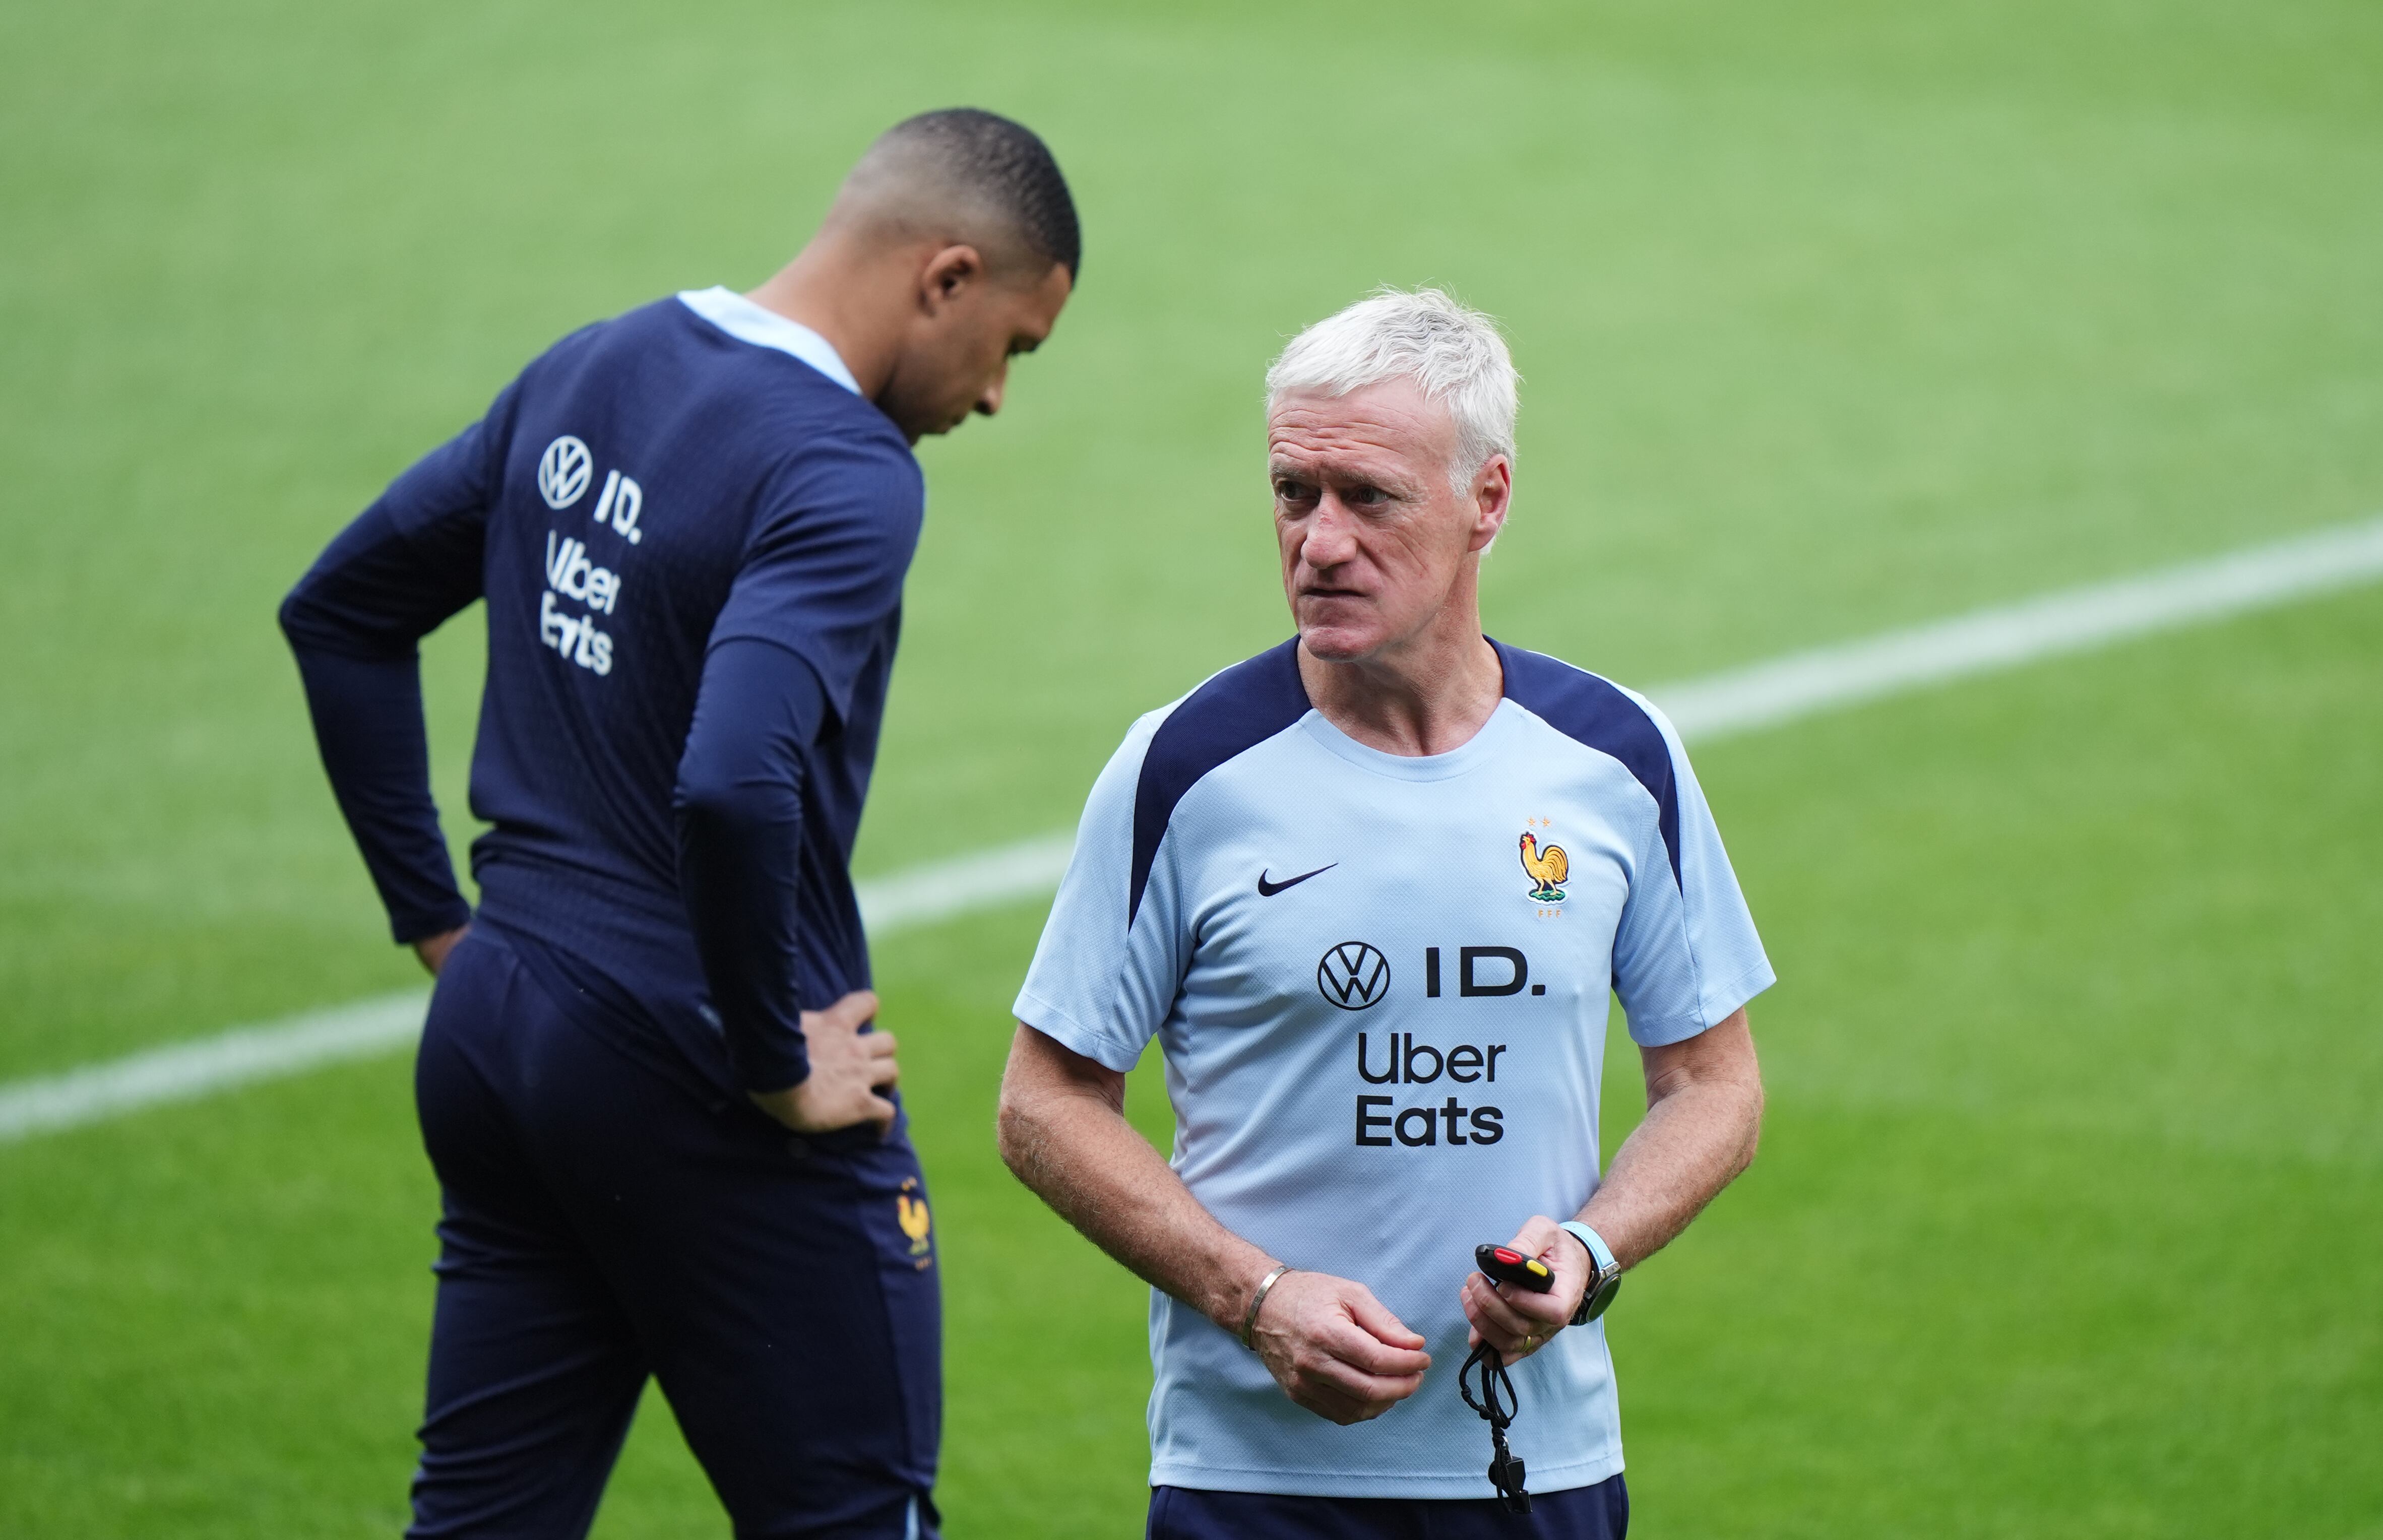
column 186, row 1071
column 925, row 895
column 2074, row 620
column 1764, row 695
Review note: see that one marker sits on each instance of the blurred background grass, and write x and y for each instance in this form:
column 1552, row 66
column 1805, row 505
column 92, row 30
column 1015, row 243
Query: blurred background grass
column 1832, row 316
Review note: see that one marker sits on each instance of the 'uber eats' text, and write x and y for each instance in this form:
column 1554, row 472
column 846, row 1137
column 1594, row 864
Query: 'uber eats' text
column 571, row 570
column 1406, row 1062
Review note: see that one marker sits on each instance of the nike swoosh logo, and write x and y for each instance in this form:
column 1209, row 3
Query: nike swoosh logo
column 1267, row 889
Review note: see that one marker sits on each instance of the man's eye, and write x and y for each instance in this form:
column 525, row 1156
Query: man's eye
column 1368, row 497
column 1293, row 491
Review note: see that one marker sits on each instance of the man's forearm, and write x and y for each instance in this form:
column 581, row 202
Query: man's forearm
column 368, row 725
column 739, row 808
column 354, row 623
column 736, row 870
column 1704, row 1116
column 1065, row 1135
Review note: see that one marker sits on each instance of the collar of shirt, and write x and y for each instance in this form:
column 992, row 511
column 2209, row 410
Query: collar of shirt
column 748, row 322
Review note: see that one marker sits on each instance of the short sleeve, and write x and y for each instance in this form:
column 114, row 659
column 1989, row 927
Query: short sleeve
column 1686, row 955
column 824, row 564
column 1104, row 981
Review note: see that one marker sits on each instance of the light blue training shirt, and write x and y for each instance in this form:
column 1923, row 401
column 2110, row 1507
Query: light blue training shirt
column 1380, row 984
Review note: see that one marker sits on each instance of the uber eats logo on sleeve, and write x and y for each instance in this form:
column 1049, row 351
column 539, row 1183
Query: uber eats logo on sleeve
column 565, row 474
column 1355, row 976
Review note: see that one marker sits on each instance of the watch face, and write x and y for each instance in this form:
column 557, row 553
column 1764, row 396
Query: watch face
column 1599, row 1298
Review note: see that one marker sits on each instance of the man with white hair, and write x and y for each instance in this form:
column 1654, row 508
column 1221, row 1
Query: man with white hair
column 1370, row 890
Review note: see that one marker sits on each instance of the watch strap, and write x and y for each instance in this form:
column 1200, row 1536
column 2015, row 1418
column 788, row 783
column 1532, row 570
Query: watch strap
column 1608, row 1281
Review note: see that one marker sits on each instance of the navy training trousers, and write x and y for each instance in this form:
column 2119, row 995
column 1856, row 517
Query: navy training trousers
column 1599, row 1513
column 600, row 1224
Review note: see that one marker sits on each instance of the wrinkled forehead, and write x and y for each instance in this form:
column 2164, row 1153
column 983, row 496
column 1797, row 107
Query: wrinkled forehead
column 1391, row 425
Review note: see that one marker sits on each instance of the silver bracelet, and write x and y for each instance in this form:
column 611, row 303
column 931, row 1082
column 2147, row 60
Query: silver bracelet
column 1266, row 1287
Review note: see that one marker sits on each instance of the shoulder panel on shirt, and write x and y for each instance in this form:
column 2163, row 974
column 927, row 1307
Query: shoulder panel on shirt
column 1229, row 715
column 1598, row 713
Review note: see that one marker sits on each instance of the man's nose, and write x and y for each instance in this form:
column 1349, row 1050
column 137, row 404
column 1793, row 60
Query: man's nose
column 990, row 402
column 1331, row 536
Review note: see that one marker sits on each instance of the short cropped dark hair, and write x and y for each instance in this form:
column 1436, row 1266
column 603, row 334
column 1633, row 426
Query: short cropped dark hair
column 1009, row 166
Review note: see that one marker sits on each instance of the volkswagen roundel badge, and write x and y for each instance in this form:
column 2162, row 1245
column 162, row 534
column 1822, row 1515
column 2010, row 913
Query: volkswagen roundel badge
column 563, row 471
column 1353, row 975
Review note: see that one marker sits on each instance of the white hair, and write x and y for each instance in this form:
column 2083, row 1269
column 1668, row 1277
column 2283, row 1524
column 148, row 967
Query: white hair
column 1453, row 353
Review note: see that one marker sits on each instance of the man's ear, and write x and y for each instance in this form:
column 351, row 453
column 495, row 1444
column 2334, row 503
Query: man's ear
column 948, row 273
column 1493, row 494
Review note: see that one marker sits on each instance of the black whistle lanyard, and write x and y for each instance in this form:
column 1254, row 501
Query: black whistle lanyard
column 1505, row 1466
column 1497, row 1403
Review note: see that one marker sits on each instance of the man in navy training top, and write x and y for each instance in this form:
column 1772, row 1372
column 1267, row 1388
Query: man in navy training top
column 666, row 1136
column 1371, row 892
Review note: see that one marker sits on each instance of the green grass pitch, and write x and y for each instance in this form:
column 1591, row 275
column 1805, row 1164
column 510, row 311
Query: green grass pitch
column 1832, row 315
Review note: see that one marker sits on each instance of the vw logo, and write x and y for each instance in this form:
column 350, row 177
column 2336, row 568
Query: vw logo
column 563, row 471
column 1354, row 976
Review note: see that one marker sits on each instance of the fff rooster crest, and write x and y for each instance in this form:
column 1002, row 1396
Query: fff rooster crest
column 1547, row 868
column 914, row 1220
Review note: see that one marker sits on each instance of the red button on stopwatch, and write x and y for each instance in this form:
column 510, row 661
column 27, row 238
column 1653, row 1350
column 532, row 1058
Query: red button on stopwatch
column 1507, row 1266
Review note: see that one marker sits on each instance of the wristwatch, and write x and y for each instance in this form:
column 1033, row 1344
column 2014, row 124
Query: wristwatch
column 1606, row 1282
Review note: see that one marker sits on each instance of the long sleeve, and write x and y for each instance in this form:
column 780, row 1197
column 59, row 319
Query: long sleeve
column 355, row 620
column 739, row 810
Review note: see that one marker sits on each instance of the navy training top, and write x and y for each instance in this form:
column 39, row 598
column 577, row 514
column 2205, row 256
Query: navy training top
column 691, row 547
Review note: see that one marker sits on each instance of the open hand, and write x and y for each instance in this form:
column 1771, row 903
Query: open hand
column 1336, row 1350
column 849, row 1066
column 1515, row 1320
